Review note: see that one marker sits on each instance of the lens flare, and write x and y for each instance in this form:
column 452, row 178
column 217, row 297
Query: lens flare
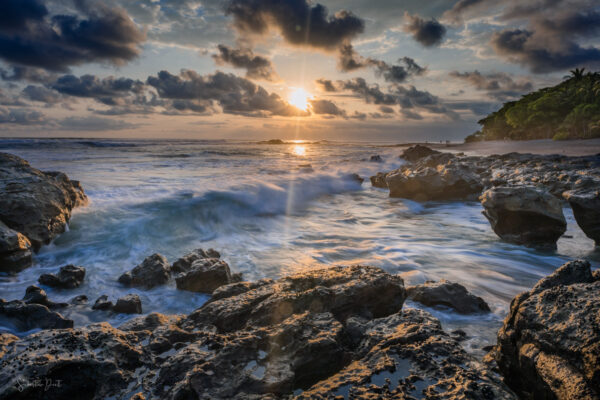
column 299, row 98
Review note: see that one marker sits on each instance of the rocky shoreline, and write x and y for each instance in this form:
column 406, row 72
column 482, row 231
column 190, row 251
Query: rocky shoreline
column 332, row 333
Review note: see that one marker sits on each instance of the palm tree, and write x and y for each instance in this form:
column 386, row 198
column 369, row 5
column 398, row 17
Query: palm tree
column 577, row 73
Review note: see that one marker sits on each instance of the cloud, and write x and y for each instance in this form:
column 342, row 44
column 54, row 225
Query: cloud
column 107, row 90
column 300, row 22
column 42, row 94
column 427, row 32
column 58, row 42
column 29, row 74
column 349, row 60
column 325, row 85
column 21, row 116
column 322, row 106
column 498, row 85
column 257, row 67
column 465, row 8
column 233, row 94
column 92, row 123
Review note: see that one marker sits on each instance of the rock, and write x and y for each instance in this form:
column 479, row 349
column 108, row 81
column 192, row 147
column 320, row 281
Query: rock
column 24, row 317
column 204, row 275
column 69, row 277
column 79, row 300
column 356, row 178
column 376, row 158
column 185, row 263
column 36, row 295
column 153, row 271
column 379, row 181
column 35, row 203
column 102, row 303
column 233, row 289
column 130, row 304
column 15, row 250
column 316, row 334
column 417, row 152
column 449, row 294
column 549, row 345
column 524, row 215
column 586, row 209
column 451, row 182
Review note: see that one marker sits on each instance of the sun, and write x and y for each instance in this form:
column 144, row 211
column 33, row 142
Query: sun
column 299, row 98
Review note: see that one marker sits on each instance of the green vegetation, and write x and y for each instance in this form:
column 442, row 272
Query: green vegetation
column 569, row 110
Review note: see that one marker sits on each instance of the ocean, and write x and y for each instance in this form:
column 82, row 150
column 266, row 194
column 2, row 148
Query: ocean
column 270, row 210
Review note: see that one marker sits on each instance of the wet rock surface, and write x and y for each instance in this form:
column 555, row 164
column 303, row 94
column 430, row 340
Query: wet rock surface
column 449, row 294
column 23, row 317
column 130, row 304
column 549, row 346
column 339, row 330
column 37, row 204
column 524, row 215
column 153, row 271
column 68, row 277
column 586, row 209
column 204, row 275
column 15, row 250
column 417, row 152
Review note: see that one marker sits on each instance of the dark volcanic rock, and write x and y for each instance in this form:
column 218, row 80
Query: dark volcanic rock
column 205, row 275
column 153, row 271
column 451, row 182
column 524, row 215
column 376, row 158
column 36, row 295
column 549, row 346
column 35, row 203
column 24, row 317
column 586, row 209
column 15, row 250
column 69, row 277
column 130, row 304
column 102, row 303
column 379, row 181
column 185, row 263
column 335, row 330
column 417, row 152
column 449, row 294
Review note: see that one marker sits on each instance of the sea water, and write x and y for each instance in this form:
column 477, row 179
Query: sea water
column 270, row 210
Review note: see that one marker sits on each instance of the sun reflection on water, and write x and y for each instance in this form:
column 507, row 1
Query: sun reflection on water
column 299, row 150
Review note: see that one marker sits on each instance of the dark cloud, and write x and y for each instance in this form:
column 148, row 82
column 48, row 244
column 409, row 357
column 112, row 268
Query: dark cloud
column 21, row 116
column 498, row 85
column 233, row 94
column 427, row 32
column 349, row 60
column 386, row 110
column 42, row 94
column 322, row 106
column 29, row 74
column 257, row 67
column 370, row 93
column 14, row 14
column 10, row 99
column 107, row 90
column 92, row 123
column 61, row 41
column 325, row 85
column 300, row 22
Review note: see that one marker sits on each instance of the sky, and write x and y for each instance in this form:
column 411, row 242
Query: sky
column 368, row 70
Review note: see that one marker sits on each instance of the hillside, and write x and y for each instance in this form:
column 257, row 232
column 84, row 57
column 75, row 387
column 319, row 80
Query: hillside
column 569, row 110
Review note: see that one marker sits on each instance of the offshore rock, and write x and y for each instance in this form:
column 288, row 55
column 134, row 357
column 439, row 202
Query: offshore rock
column 35, row 203
column 185, row 263
column 153, row 271
column 415, row 153
column 23, row 317
column 586, row 209
column 69, row 277
column 205, row 275
column 130, row 304
column 15, row 250
column 449, row 294
column 549, row 345
column 524, row 215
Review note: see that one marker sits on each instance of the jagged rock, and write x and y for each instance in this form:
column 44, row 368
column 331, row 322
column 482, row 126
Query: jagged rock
column 233, row 289
column 320, row 332
column 153, row 271
column 451, row 182
column 130, row 304
column 524, row 215
column 204, row 275
column 376, row 158
column 36, row 295
column 449, row 294
column 24, row 317
column 79, row 300
column 15, row 250
column 586, row 209
column 417, row 152
column 35, row 203
column 379, row 181
column 69, row 277
column 102, row 303
column 185, row 263
column 549, row 345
